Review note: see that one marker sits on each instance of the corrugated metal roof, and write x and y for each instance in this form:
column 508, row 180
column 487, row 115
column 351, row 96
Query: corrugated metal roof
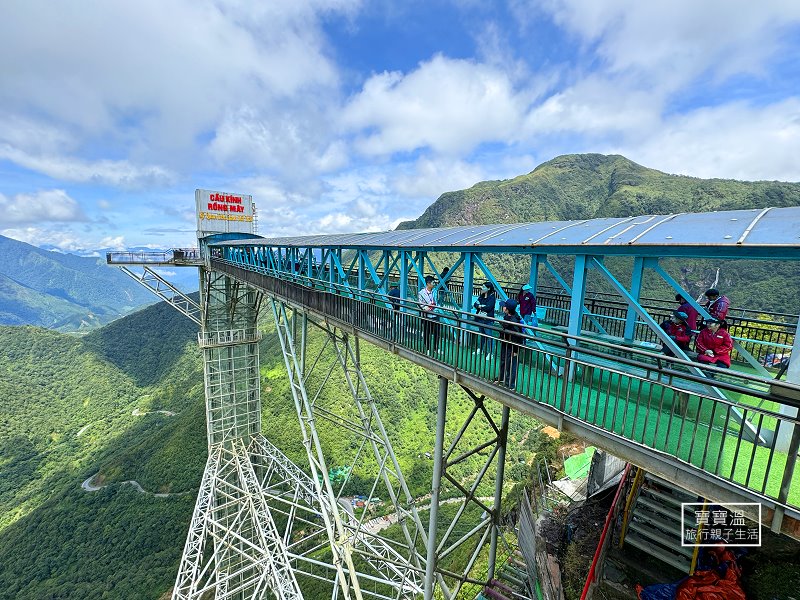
column 773, row 227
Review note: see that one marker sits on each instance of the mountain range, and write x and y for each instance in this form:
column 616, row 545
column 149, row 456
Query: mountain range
column 62, row 291
column 125, row 402
column 588, row 186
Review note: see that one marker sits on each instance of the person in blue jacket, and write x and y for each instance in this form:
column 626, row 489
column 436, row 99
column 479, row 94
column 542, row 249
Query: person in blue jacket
column 485, row 306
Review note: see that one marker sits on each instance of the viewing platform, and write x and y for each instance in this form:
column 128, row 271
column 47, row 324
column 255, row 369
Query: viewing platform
column 594, row 366
column 182, row 257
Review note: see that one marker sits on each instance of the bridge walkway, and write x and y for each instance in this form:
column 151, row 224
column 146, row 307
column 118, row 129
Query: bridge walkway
column 648, row 409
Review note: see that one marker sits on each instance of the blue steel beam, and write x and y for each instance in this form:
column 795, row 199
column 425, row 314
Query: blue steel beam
column 752, row 361
column 636, row 292
column 578, row 292
column 633, row 304
column 568, row 289
column 488, row 273
column 403, row 277
column 469, row 274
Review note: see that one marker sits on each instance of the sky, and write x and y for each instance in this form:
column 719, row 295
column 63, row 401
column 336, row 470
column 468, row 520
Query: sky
column 354, row 115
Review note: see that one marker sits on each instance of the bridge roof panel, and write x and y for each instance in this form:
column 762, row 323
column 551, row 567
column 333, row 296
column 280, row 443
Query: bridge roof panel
column 772, row 227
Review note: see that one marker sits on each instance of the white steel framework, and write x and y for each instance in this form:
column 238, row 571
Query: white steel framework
column 234, row 549
column 261, row 522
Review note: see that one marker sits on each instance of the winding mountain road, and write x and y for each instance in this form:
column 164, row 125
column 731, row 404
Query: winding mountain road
column 89, row 486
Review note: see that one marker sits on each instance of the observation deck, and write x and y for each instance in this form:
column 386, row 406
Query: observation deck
column 180, row 257
column 727, row 435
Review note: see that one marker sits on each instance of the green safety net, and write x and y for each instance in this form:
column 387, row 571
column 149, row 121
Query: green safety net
column 577, row 466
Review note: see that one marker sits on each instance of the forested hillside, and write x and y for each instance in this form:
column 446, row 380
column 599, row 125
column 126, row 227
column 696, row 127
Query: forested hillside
column 76, row 406
column 125, row 402
column 67, row 412
column 587, row 186
column 62, row 291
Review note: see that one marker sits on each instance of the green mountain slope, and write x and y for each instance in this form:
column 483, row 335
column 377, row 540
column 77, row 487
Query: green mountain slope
column 61, row 291
column 68, row 411
column 76, row 406
column 587, row 186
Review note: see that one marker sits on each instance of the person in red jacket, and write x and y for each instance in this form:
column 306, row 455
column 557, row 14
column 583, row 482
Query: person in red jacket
column 717, row 306
column 691, row 311
column 677, row 328
column 714, row 345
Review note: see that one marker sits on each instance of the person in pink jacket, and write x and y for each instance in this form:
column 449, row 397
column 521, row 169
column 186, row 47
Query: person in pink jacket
column 714, row 345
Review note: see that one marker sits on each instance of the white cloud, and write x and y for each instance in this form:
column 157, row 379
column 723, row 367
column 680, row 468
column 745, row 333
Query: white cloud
column 735, row 141
column 49, row 205
column 293, row 141
column 115, row 243
column 671, row 43
column 121, row 173
column 448, row 105
column 596, row 106
column 429, row 177
column 67, row 241
column 152, row 78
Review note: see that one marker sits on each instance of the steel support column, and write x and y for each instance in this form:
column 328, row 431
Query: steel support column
column 436, row 486
column 578, row 292
column 636, row 292
column 498, row 490
column 343, row 560
column 234, row 549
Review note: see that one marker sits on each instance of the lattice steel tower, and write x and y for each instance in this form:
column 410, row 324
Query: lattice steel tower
column 260, row 521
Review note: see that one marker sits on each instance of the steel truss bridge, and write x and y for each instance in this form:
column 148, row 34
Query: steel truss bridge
column 593, row 367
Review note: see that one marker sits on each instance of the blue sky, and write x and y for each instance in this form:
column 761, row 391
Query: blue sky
column 348, row 115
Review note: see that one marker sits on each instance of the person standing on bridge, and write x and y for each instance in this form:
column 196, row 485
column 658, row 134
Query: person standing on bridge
column 717, row 306
column 714, row 345
column 527, row 305
column 691, row 312
column 430, row 323
column 510, row 343
column 485, row 304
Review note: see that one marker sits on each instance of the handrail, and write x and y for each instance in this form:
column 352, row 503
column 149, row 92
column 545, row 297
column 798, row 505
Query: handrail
column 171, row 256
column 667, row 365
column 605, row 539
column 757, row 336
column 557, row 377
column 632, row 494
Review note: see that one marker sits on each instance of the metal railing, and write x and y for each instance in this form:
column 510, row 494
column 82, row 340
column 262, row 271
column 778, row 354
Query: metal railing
column 189, row 256
column 650, row 400
column 207, row 339
column 606, row 536
column 760, row 337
